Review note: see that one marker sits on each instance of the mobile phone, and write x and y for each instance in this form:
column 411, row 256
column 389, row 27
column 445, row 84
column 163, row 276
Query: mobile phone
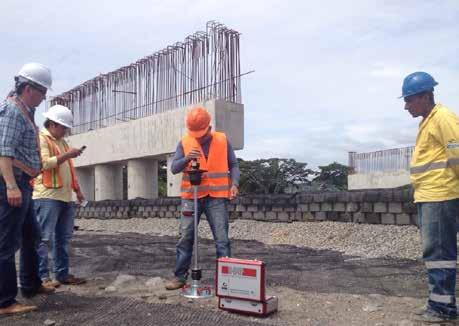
column 83, row 148
column 84, row 203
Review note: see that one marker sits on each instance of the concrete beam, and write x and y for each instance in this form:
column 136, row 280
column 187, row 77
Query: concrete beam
column 142, row 175
column 375, row 180
column 155, row 135
column 108, row 182
column 174, row 181
column 85, row 178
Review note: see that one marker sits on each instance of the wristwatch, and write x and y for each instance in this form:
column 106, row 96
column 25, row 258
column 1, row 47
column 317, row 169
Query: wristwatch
column 11, row 187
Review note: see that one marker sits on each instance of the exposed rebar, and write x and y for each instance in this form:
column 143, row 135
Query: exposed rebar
column 381, row 161
column 205, row 66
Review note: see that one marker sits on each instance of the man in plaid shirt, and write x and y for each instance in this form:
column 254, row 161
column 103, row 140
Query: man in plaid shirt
column 19, row 163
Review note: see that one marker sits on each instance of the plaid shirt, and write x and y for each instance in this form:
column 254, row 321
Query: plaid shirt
column 18, row 139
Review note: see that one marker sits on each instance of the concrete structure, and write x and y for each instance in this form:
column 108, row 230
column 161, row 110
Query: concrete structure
column 389, row 179
column 142, row 178
column 380, row 169
column 108, row 181
column 133, row 117
column 139, row 144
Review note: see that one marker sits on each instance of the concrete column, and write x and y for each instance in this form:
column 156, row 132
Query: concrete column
column 108, row 182
column 85, row 178
column 142, row 178
column 173, row 180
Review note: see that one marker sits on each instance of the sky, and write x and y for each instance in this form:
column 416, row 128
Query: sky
column 327, row 73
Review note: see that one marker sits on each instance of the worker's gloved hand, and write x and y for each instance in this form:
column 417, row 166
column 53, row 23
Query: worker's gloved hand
column 193, row 154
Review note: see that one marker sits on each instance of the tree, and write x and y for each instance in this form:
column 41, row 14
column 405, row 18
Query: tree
column 332, row 176
column 162, row 178
column 272, row 176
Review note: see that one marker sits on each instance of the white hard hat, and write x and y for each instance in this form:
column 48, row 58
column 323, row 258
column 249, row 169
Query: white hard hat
column 37, row 73
column 60, row 114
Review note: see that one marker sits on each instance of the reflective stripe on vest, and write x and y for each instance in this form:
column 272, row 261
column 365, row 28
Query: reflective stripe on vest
column 434, row 166
column 210, row 175
column 441, row 264
column 202, row 188
column 215, row 182
column 52, row 178
column 442, row 298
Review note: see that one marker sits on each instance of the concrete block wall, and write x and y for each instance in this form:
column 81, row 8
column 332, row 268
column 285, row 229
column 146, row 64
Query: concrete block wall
column 384, row 206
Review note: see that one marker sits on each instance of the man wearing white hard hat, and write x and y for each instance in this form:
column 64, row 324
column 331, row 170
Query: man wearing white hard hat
column 19, row 163
column 52, row 196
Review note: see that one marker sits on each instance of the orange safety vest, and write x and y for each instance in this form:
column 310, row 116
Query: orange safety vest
column 216, row 181
column 52, row 178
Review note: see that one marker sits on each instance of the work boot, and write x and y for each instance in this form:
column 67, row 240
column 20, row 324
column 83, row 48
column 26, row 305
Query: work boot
column 175, row 283
column 43, row 289
column 433, row 317
column 50, row 283
column 17, row 308
column 420, row 311
column 73, row 280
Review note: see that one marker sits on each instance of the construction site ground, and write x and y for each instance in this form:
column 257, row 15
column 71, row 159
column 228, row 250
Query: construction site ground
column 126, row 274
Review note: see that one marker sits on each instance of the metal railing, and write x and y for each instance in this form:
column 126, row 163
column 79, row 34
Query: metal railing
column 381, row 161
column 205, row 66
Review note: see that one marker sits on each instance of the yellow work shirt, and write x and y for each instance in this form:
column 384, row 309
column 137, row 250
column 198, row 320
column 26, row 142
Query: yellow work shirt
column 434, row 167
column 39, row 190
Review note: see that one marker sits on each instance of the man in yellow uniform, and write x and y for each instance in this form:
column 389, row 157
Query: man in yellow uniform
column 435, row 178
column 52, row 196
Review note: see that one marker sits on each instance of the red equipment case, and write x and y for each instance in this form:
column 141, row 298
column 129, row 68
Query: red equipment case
column 259, row 308
column 240, row 287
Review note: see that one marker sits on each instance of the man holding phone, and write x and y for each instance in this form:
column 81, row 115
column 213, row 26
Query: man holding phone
column 53, row 196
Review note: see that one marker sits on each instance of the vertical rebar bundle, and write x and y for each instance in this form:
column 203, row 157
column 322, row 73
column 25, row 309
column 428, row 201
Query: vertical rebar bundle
column 205, row 66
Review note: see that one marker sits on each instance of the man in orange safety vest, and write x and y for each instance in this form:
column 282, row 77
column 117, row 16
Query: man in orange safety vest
column 219, row 184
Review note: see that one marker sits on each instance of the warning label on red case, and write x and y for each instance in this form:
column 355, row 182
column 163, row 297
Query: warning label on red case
column 240, row 280
column 239, row 271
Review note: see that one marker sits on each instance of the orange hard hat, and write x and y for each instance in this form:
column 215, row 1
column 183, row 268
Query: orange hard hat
column 197, row 122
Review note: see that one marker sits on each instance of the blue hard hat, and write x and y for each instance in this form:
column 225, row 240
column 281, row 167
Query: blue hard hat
column 416, row 83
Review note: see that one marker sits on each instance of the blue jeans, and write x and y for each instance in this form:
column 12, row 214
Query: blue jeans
column 216, row 210
column 18, row 229
column 437, row 221
column 56, row 220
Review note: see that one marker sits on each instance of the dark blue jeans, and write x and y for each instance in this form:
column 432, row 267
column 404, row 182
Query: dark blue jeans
column 437, row 221
column 216, row 210
column 56, row 220
column 18, row 229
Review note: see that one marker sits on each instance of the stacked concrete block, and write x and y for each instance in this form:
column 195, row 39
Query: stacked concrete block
column 385, row 206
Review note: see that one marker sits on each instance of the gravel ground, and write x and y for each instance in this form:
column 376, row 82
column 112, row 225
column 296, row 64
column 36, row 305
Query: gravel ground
column 364, row 240
column 315, row 284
